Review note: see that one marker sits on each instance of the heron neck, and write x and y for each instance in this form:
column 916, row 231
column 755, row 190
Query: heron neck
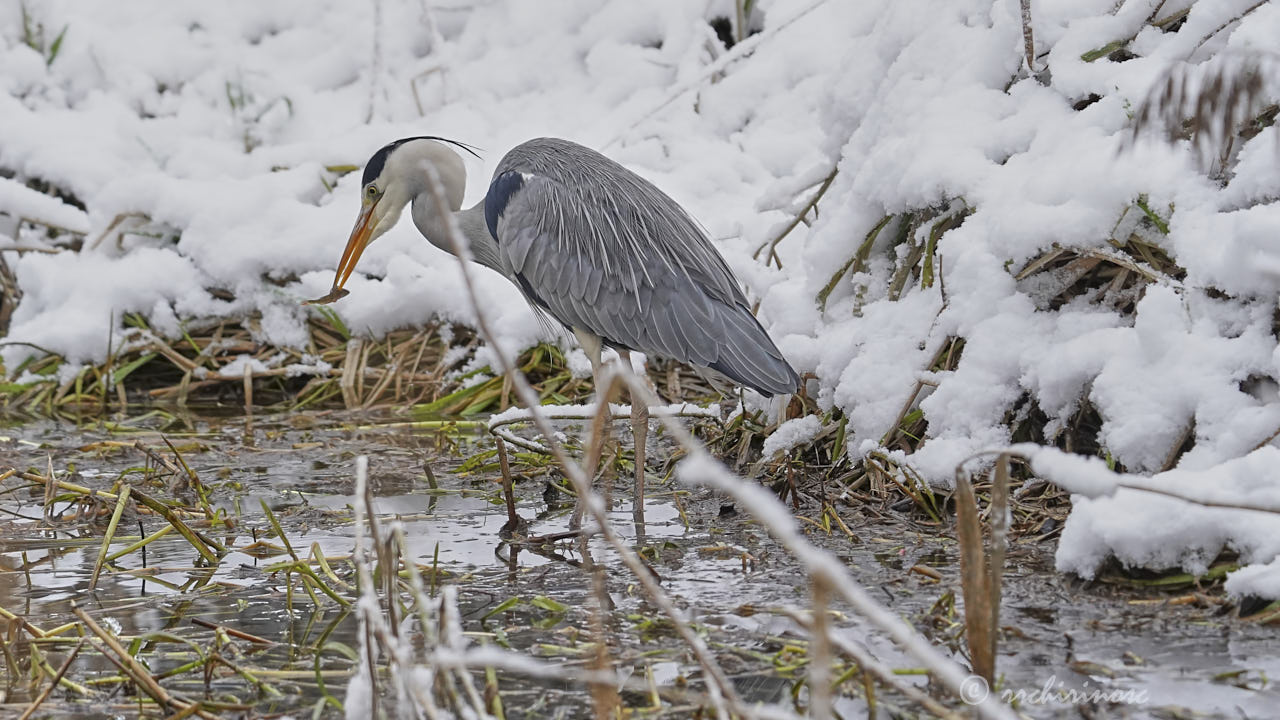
column 475, row 232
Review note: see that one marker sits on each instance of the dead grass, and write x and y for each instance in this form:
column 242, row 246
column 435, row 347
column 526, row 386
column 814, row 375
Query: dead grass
column 192, row 651
column 1216, row 106
column 407, row 368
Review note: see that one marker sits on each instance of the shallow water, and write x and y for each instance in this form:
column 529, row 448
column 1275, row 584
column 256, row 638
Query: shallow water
column 722, row 568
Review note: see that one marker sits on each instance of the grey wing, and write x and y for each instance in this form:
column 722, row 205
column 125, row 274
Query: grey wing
column 615, row 256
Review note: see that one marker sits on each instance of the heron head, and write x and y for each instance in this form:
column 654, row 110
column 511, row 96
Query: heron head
column 396, row 174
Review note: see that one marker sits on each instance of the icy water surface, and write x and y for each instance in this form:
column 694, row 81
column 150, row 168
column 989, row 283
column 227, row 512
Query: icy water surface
column 1126, row 653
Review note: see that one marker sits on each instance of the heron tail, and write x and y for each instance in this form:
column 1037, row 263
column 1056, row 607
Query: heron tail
column 749, row 357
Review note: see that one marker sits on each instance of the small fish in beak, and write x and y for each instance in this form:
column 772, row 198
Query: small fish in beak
column 361, row 235
column 334, row 295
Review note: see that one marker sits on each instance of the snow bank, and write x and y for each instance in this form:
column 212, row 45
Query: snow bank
column 1112, row 515
column 225, row 123
column 932, row 108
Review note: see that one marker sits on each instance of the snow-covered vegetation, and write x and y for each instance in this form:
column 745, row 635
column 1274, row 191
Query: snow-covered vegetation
column 985, row 249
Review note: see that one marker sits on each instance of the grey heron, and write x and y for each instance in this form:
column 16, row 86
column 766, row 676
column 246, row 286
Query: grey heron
column 591, row 245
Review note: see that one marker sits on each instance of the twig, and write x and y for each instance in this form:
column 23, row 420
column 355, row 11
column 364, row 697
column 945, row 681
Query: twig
column 134, row 669
column 723, row 695
column 975, row 582
column 739, row 51
column 999, row 519
column 896, row 428
column 498, row 423
column 820, row 657
column 30, row 248
column 121, row 503
column 508, row 491
column 882, row 672
column 604, row 698
column 1227, row 24
column 795, row 222
column 700, row 468
column 1028, row 41
column 232, row 632
column 57, row 678
column 368, row 619
column 375, row 69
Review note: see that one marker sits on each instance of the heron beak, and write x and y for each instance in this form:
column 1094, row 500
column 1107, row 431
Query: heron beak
column 355, row 245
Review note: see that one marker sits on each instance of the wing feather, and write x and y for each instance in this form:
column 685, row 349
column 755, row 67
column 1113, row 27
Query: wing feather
column 605, row 251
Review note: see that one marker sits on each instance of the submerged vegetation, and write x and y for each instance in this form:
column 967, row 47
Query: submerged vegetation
column 260, row 610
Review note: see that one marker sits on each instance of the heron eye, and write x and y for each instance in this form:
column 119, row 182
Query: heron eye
column 371, row 192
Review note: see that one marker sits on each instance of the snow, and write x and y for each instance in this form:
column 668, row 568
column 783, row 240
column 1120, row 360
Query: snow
column 1141, row 529
column 223, row 124
column 241, row 365
column 792, row 433
column 583, row 412
column 1181, row 518
column 19, row 201
column 1083, row 476
column 1257, row 580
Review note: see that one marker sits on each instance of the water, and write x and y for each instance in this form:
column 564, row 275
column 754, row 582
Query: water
column 1152, row 659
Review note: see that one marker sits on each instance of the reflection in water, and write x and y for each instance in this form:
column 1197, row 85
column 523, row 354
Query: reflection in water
column 302, row 471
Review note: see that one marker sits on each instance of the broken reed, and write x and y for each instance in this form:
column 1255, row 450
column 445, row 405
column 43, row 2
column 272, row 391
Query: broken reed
column 1113, row 275
column 1218, row 106
column 407, row 368
column 248, row 677
column 173, row 670
column 417, row 369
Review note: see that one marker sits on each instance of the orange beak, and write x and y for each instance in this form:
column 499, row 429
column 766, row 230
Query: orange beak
column 355, row 246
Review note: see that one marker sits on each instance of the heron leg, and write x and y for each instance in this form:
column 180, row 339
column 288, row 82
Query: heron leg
column 639, row 434
column 592, row 345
